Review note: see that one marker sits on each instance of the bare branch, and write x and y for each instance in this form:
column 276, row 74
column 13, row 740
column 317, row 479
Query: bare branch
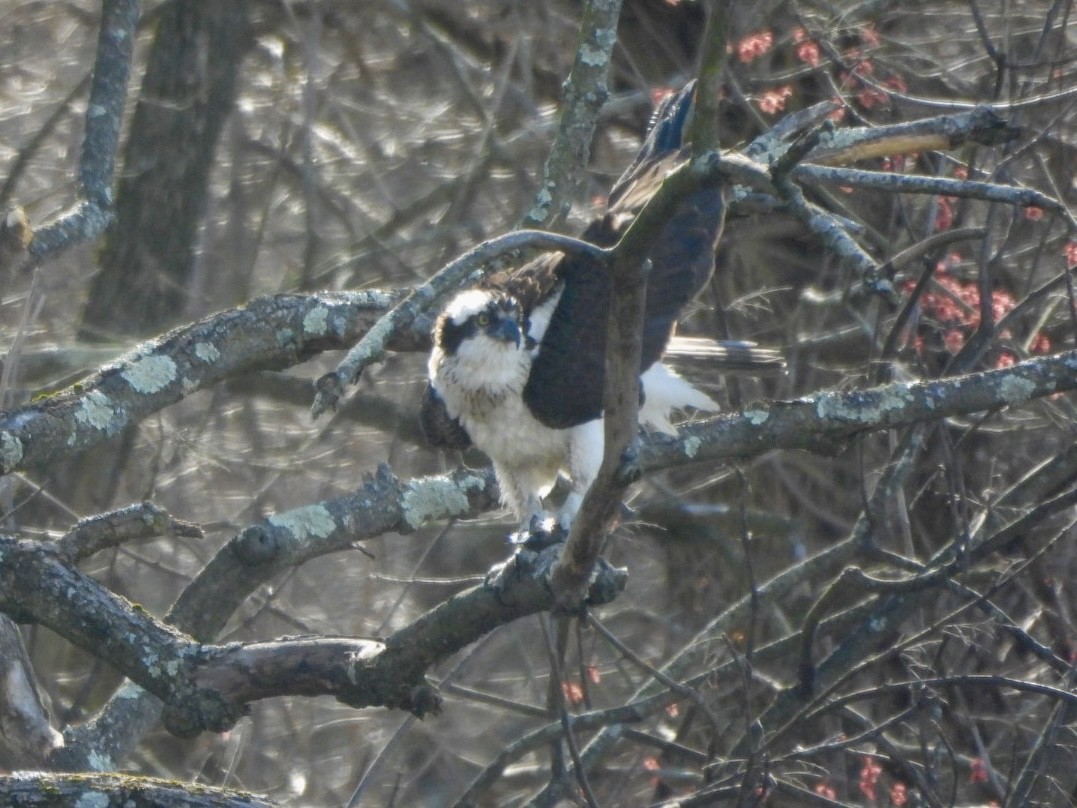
column 209, row 687
column 104, row 116
column 585, row 93
column 133, row 523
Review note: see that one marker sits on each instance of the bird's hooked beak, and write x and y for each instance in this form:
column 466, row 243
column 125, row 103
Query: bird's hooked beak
column 504, row 329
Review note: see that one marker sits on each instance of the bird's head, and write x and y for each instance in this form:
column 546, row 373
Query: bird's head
column 481, row 340
column 480, row 318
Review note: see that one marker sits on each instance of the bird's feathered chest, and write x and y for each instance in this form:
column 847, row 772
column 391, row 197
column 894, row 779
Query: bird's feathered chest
column 483, row 390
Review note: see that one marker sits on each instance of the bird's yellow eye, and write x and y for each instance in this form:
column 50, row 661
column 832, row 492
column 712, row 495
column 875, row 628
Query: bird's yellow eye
column 483, row 319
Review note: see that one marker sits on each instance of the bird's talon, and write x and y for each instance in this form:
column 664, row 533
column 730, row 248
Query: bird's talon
column 541, row 533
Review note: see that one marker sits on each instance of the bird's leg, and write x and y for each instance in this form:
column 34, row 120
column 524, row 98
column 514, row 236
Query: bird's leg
column 520, row 491
column 571, row 506
column 586, row 445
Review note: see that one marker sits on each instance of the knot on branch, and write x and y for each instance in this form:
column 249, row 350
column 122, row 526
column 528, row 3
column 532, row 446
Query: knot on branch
column 989, row 128
column 605, row 583
column 424, row 700
column 255, row 545
column 328, row 391
column 629, row 470
column 200, row 710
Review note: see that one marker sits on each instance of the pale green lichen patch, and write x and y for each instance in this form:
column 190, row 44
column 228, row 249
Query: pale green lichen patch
column 93, row 799
column 595, row 57
column 839, row 139
column 11, row 450
column 867, row 408
column 150, row 661
column 540, row 210
column 206, row 351
column 756, row 417
column 1015, row 390
column 316, row 323
column 435, row 498
column 691, row 446
column 128, row 690
column 95, row 410
column 308, row 522
column 148, row 374
column 99, row 762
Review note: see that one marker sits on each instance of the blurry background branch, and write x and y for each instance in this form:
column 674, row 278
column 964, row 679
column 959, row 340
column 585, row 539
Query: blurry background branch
column 586, row 91
column 104, row 115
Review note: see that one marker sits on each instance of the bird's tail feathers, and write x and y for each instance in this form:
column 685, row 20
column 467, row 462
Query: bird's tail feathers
column 665, row 391
column 668, row 122
column 724, row 355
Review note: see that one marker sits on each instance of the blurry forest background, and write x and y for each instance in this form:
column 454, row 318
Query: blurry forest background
column 293, row 147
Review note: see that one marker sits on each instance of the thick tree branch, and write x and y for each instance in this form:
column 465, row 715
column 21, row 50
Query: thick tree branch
column 981, row 125
column 821, row 421
column 209, row 687
column 28, row 789
column 942, row 186
column 269, row 333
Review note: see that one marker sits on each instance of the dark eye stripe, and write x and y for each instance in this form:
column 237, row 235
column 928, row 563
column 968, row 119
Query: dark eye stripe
column 450, row 335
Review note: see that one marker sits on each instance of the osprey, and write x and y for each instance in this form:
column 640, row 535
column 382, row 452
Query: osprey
column 517, row 367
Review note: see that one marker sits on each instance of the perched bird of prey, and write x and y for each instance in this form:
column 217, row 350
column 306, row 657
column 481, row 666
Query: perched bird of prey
column 517, row 367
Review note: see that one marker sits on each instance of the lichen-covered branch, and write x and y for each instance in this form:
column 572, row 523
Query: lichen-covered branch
column 942, row 186
column 209, row 687
column 133, row 523
column 43, row 789
column 820, row 422
column 269, row 333
column 585, row 93
column 261, row 552
column 981, row 125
